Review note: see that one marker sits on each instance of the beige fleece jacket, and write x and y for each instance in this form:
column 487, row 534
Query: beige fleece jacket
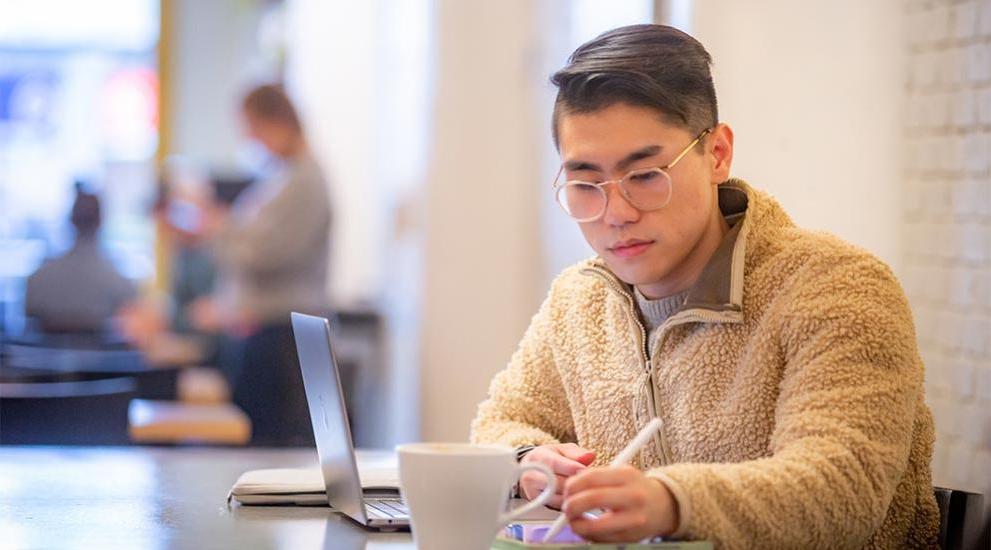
column 789, row 385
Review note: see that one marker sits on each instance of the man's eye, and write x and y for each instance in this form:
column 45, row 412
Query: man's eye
column 584, row 188
column 644, row 177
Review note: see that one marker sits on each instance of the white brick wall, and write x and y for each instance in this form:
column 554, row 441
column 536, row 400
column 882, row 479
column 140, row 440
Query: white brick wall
column 947, row 226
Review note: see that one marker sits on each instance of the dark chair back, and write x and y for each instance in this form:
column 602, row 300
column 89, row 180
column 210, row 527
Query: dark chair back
column 73, row 359
column 152, row 383
column 961, row 519
column 86, row 412
column 10, row 375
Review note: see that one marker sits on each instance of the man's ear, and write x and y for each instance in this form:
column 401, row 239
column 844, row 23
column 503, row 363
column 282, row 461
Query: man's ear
column 719, row 150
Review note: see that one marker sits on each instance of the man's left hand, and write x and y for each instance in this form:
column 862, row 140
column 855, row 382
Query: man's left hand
column 635, row 506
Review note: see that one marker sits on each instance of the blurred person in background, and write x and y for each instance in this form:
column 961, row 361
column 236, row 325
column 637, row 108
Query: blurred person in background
column 271, row 247
column 81, row 291
column 193, row 271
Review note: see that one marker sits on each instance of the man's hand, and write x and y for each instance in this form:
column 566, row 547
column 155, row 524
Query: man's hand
column 213, row 216
column 565, row 460
column 636, row 506
column 206, row 315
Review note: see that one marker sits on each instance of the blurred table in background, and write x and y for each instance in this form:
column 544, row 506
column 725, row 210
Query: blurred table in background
column 137, row 497
column 180, row 398
column 175, row 350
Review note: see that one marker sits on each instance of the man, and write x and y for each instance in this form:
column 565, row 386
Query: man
column 782, row 362
column 81, row 291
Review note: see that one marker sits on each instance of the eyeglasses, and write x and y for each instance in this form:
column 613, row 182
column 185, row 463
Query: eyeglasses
column 646, row 189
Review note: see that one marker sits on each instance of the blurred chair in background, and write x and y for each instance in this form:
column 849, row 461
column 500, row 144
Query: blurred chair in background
column 74, row 358
column 40, row 411
column 961, row 525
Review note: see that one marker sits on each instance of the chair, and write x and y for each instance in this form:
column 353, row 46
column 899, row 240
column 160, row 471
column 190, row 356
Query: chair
column 80, row 412
column 78, row 357
column 961, row 521
column 10, row 375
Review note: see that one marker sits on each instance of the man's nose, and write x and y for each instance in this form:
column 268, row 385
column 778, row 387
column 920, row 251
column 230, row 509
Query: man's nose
column 619, row 211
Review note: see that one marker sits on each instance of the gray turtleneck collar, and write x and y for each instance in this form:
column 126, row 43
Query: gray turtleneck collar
column 655, row 312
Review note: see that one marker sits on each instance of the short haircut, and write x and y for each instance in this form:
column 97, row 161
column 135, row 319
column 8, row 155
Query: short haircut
column 270, row 102
column 653, row 66
column 86, row 212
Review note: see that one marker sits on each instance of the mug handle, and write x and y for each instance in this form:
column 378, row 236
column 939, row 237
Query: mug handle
column 541, row 499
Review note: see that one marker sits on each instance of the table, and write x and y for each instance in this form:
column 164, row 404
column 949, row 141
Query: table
column 154, row 497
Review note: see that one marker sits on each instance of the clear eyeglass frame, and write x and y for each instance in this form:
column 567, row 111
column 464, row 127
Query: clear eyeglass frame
column 663, row 192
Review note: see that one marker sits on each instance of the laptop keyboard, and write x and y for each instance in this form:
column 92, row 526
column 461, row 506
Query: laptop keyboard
column 386, row 508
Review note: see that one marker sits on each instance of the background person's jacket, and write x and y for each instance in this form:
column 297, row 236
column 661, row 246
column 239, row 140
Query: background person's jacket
column 273, row 252
column 789, row 384
column 80, row 291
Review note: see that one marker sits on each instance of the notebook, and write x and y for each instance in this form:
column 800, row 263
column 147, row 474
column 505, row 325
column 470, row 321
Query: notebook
column 302, row 486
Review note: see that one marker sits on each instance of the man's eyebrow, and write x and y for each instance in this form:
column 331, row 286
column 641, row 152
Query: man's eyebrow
column 639, row 154
column 578, row 165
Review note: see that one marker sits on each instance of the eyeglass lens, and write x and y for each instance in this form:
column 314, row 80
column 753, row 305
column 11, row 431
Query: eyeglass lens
column 645, row 189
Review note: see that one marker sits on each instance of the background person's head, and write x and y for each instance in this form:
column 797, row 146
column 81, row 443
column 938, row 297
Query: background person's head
column 85, row 214
column 634, row 98
column 271, row 119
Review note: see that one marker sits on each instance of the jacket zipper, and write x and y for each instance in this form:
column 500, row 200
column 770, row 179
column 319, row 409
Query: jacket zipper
column 659, row 440
column 687, row 316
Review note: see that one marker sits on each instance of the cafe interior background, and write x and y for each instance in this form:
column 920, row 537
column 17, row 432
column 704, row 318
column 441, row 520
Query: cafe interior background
column 870, row 120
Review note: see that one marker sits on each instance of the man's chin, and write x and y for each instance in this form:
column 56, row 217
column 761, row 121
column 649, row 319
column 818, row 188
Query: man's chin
column 632, row 276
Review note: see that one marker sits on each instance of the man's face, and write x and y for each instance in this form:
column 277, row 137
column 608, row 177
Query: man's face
column 641, row 248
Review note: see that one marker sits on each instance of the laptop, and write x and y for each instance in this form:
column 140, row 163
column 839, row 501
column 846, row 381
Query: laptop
column 379, row 509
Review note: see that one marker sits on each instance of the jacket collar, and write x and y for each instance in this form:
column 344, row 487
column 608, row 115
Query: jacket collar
column 719, row 288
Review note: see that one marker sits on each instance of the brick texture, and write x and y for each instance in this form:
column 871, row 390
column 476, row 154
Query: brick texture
column 946, row 225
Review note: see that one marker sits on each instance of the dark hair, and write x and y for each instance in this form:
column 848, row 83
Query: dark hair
column 652, row 66
column 270, row 102
column 85, row 214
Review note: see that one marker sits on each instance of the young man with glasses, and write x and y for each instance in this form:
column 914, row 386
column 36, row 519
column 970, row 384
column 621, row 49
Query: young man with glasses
column 782, row 362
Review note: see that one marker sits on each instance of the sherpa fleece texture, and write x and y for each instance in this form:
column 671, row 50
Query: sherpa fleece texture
column 801, row 425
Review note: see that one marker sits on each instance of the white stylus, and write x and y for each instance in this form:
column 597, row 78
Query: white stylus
column 623, row 458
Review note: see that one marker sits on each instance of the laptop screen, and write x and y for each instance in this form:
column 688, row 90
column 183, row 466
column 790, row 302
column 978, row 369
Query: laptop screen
column 328, row 414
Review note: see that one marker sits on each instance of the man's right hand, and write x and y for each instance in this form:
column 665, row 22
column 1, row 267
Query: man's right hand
column 565, row 460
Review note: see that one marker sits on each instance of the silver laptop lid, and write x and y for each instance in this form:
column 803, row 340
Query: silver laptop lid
column 328, row 415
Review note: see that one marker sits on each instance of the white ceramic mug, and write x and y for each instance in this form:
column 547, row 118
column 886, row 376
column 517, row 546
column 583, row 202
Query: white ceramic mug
column 457, row 493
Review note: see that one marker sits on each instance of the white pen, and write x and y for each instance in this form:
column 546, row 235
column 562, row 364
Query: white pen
column 623, row 458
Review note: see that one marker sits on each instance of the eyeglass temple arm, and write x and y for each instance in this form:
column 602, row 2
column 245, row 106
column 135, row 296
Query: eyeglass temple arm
column 687, row 149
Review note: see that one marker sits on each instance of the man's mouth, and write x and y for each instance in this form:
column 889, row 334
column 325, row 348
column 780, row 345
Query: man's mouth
column 630, row 248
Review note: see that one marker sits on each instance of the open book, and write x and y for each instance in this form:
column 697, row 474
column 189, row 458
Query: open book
column 301, row 486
